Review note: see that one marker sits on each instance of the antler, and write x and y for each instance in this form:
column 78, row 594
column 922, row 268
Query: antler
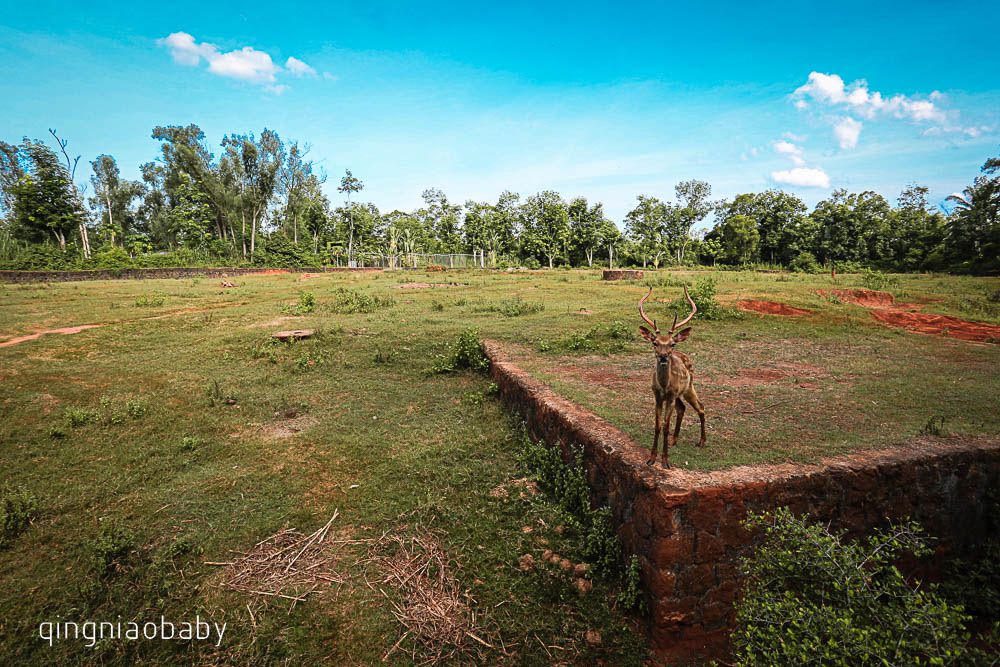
column 642, row 312
column 694, row 309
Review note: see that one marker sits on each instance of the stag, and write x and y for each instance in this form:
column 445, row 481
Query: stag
column 673, row 379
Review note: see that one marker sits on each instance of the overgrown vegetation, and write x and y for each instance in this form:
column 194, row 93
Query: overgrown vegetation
column 814, row 597
column 513, row 307
column 305, row 305
column 567, row 483
column 348, row 301
column 466, row 353
column 18, row 508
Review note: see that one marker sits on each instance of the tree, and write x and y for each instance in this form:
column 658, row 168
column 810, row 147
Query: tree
column 646, row 226
column 587, row 225
column 775, row 213
column 852, row 227
column 546, row 226
column 693, row 205
column 253, row 164
column 973, row 236
column 113, row 197
column 71, row 170
column 739, row 239
column 294, row 186
column 43, row 199
column 349, row 184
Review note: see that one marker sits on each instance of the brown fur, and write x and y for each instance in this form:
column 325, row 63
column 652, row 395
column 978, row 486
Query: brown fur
column 673, row 383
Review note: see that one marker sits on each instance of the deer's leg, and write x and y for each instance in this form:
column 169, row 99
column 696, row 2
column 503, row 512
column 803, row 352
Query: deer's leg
column 679, row 404
column 667, row 440
column 695, row 402
column 656, row 431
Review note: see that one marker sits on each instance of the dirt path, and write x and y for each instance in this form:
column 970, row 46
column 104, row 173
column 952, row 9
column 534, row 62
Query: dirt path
column 83, row 327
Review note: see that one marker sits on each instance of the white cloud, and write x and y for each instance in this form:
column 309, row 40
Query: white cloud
column 184, row 50
column 298, row 68
column 847, row 130
column 246, row 64
column 789, row 149
column 859, row 99
column 803, row 177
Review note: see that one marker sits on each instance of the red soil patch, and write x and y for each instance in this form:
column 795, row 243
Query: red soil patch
column 862, row 297
column 307, row 276
column 83, row 327
column 63, row 330
column 772, row 308
column 939, row 324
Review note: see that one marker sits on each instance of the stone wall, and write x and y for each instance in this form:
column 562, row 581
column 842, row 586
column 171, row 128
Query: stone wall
column 686, row 526
column 621, row 274
column 139, row 274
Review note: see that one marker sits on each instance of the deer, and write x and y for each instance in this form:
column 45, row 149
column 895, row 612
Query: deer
column 673, row 378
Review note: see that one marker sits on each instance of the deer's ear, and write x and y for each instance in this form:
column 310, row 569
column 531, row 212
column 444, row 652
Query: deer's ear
column 682, row 335
column 647, row 334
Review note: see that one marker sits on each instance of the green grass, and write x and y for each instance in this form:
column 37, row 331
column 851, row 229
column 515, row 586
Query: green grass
column 156, row 443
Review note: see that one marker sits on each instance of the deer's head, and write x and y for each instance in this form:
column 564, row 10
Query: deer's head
column 663, row 344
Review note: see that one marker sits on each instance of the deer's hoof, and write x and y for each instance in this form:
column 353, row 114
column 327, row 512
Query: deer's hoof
column 651, row 462
column 701, row 443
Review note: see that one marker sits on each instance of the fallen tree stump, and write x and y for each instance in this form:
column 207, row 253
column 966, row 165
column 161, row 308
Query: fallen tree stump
column 622, row 274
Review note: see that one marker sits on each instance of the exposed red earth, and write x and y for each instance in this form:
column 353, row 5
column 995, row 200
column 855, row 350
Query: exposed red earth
column 83, row 327
column 771, row 308
column 927, row 323
column 905, row 316
column 39, row 334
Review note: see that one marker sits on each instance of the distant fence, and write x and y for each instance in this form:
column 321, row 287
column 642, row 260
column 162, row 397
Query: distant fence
column 413, row 260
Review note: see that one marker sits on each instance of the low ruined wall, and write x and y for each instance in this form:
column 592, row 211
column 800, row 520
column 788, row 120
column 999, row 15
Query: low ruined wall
column 139, row 274
column 621, row 274
column 686, row 526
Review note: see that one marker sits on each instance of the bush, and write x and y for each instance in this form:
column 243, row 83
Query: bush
column 306, row 304
column 348, row 302
column 805, row 262
column 513, row 307
column 112, row 549
column 813, row 597
column 568, row 485
column 703, row 295
column 466, row 353
column 876, row 280
column 18, row 509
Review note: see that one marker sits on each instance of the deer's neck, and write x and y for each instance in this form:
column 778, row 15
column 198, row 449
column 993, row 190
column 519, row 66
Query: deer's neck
column 663, row 370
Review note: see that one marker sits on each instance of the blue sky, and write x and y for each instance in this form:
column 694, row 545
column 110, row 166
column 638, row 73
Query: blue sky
column 606, row 100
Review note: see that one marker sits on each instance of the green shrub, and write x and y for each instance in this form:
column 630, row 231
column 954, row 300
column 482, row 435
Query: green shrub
column 631, row 596
column 876, row 280
column 805, row 262
column 347, row 301
column 150, row 300
column 77, row 417
column 306, row 304
column 18, row 509
column 513, row 307
column 812, row 597
column 112, row 549
column 466, row 353
column 703, row 295
column 568, row 485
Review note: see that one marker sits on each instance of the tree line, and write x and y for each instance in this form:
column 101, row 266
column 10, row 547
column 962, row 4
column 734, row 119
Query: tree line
column 261, row 200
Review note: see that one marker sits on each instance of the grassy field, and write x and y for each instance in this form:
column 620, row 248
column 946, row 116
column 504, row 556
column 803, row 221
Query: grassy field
column 178, row 433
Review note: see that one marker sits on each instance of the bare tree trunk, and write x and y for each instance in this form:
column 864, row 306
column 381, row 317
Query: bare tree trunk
column 243, row 232
column 253, row 234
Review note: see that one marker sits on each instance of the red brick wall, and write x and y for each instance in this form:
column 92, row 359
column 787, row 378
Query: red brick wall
column 685, row 526
column 137, row 274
